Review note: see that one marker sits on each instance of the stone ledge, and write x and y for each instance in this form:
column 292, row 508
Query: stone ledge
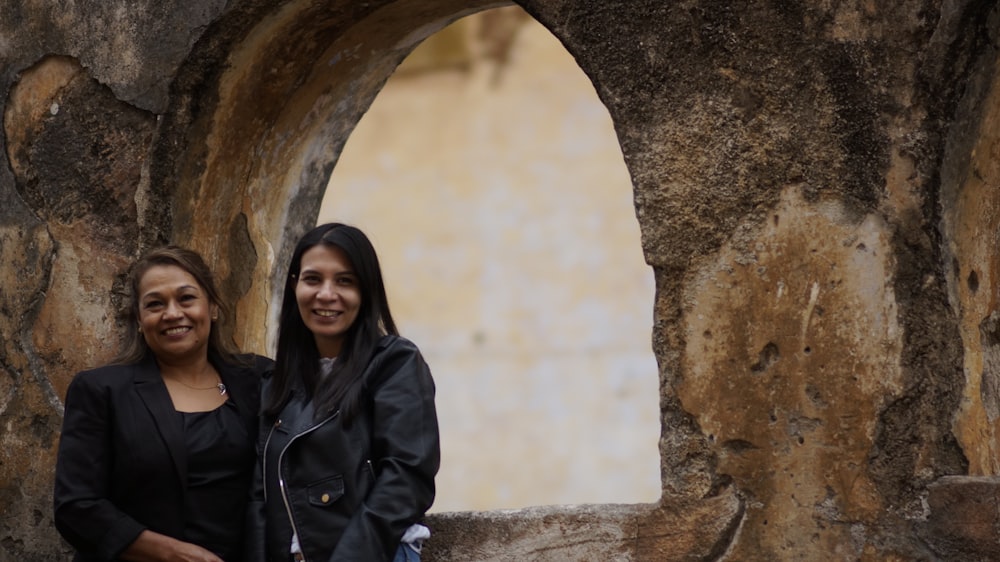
column 692, row 531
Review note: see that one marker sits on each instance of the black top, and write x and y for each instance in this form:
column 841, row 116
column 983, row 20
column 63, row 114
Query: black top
column 219, row 469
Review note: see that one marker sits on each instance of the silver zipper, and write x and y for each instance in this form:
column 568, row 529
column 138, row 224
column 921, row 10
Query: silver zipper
column 371, row 469
column 263, row 456
column 281, row 478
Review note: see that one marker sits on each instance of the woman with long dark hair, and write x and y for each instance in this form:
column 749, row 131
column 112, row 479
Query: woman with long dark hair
column 348, row 443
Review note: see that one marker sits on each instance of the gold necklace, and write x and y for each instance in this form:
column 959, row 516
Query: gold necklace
column 220, row 386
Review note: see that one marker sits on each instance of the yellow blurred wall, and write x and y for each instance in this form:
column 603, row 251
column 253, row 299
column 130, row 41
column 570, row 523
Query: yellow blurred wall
column 489, row 177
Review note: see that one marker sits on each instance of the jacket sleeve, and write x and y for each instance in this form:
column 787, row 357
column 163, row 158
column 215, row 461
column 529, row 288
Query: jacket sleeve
column 406, row 455
column 84, row 512
column 256, row 518
column 255, row 550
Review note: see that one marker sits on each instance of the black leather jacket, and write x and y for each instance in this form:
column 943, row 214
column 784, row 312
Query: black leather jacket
column 350, row 492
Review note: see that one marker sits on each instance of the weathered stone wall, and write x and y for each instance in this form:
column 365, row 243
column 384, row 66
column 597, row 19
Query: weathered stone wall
column 815, row 184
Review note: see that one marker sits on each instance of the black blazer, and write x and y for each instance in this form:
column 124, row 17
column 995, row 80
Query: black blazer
column 122, row 462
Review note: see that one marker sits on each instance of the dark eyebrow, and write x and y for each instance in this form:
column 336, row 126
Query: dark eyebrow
column 317, row 272
column 157, row 294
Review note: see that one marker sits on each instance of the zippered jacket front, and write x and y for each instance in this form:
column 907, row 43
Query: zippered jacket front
column 348, row 491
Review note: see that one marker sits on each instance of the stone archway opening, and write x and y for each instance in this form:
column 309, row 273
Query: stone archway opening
column 256, row 152
column 490, row 178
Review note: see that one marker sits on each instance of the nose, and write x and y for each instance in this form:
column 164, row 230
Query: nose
column 172, row 310
column 327, row 291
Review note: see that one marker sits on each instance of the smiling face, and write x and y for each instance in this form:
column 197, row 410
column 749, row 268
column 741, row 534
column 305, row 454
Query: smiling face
column 328, row 296
column 175, row 314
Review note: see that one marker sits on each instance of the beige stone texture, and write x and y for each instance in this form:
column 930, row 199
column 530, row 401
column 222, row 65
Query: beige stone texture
column 791, row 348
column 972, row 222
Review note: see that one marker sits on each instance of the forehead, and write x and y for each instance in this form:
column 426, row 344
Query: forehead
column 165, row 278
column 325, row 258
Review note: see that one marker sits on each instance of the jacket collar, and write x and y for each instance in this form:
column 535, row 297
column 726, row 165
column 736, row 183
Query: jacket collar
column 153, row 392
column 298, row 412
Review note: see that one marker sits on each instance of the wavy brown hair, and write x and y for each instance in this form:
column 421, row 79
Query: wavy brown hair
column 134, row 348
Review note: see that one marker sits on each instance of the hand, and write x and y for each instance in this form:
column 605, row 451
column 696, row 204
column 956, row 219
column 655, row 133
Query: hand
column 154, row 547
column 187, row 552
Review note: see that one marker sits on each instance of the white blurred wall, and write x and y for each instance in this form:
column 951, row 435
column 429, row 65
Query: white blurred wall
column 489, row 177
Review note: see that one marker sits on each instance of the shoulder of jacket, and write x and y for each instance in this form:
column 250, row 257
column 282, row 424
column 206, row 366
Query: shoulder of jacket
column 104, row 376
column 393, row 354
column 262, row 365
column 395, row 343
column 104, row 370
column 257, row 366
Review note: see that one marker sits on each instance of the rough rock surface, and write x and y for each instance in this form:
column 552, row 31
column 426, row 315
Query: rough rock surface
column 816, row 188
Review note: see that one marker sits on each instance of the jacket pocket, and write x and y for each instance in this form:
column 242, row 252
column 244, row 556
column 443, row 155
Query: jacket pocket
column 326, row 492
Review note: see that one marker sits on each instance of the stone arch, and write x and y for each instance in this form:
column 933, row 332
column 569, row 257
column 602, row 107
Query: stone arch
column 261, row 111
column 490, row 179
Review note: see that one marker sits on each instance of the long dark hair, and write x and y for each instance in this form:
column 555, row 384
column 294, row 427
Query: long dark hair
column 134, row 348
column 297, row 355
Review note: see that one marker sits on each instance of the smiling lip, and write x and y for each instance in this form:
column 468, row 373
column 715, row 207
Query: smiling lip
column 176, row 331
column 327, row 313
